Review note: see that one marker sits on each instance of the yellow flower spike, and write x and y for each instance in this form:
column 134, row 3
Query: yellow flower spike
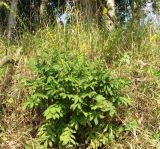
column 153, row 38
column 105, row 11
column 84, row 49
column 49, row 35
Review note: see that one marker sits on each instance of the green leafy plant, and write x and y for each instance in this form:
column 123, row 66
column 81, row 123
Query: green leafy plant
column 78, row 99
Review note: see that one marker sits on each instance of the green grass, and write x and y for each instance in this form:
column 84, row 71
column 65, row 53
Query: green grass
column 131, row 52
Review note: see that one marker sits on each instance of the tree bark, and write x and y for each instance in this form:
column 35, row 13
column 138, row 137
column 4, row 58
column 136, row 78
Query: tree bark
column 43, row 11
column 110, row 16
column 88, row 9
column 12, row 17
column 3, row 18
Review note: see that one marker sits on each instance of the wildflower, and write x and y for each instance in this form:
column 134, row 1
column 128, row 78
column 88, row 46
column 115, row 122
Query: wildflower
column 153, row 38
column 49, row 35
column 84, row 49
column 105, row 11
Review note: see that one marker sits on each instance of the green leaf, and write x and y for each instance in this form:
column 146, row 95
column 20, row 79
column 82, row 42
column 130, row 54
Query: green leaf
column 50, row 143
column 67, row 137
column 99, row 98
column 131, row 125
column 55, row 111
column 124, row 100
column 96, row 121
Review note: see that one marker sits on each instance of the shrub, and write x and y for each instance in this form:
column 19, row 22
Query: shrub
column 78, row 99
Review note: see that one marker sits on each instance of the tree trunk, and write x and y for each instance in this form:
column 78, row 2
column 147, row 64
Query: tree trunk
column 110, row 15
column 43, row 11
column 12, row 18
column 88, row 9
column 4, row 13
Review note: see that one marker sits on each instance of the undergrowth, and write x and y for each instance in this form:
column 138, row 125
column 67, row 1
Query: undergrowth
column 76, row 79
